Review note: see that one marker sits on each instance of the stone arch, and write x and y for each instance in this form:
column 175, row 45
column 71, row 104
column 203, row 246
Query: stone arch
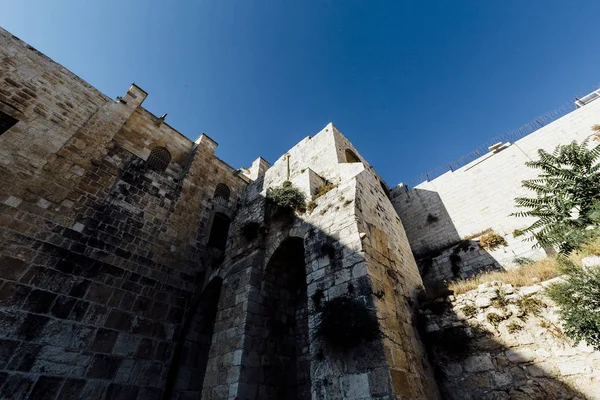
column 286, row 363
column 351, row 156
column 190, row 356
column 298, row 231
column 159, row 159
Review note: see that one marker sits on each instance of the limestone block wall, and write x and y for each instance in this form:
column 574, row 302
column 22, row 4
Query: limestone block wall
column 481, row 195
column 101, row 257
column 50, row 117
column 395, row 283
column 518, row 352
column 460, row 261
column 353, row 246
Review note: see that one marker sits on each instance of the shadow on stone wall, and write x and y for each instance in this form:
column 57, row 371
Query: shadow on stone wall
column 470, row 361
column 503, row 343
column 453, row 257
column 265, row 343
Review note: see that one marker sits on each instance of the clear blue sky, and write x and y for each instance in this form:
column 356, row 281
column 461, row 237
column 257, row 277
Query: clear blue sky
column 413, row 84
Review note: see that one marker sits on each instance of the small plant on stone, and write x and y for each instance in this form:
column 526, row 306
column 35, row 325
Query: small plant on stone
column 596, row 129
column 530, row 305
column 491, row 241
column 347, row 203
column 311, row 206
column 518, row 232
column 321, row 190
column 500, row 301
column 345, row 323
column 431, row 218
column 477, row 234
column 514, row 327
column 552, row 329
column 469, row 311
column 520, row 261
column 325, row 209
column 287, row 196
column 494, row 319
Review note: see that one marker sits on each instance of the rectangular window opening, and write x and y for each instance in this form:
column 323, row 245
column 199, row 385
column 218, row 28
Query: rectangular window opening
column 6, row 122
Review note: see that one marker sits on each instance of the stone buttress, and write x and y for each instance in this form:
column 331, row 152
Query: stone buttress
column 279, row 269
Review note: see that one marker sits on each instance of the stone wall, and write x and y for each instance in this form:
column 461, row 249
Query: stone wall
column 354, row 246
column 102, row 258
column 480, row 195
column 501, row 342
column 460, row 261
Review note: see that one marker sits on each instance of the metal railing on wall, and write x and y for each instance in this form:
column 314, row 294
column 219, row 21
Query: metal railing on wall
column 510, row 136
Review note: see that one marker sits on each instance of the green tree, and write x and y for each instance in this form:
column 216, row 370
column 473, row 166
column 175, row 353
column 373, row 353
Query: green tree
column 579, row 301
column 567, row 191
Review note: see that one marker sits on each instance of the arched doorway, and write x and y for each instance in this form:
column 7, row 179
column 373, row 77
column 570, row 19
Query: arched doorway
column 286, row 367
column 190, row 356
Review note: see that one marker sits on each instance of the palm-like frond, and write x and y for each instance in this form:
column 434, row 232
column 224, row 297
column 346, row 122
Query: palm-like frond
column 569, row 180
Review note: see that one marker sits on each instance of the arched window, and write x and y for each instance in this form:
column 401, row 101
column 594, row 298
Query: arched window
column 159, row 159
column 222, row 193
column 219, row 231
column 351, row 157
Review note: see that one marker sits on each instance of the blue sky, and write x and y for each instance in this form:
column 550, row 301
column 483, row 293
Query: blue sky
column 413, row 84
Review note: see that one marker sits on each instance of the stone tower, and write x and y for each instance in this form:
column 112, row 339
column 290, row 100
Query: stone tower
column 350, row 243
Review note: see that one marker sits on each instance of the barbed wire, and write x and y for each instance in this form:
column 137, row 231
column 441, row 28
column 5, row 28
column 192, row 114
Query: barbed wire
column 510, row 136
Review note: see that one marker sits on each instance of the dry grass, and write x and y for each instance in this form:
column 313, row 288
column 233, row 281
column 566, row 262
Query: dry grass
column 491, row 241
column 477, row 234
column 596, row 129
column 588, row 249
column 526, row 275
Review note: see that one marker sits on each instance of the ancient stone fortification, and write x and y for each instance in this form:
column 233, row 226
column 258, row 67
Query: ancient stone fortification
column 500, row 342
column 136, row 264
column 461, row 203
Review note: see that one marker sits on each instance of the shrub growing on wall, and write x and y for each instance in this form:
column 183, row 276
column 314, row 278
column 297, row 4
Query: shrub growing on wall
column 579, row 301
column 566, row 190
column 287, row 196
column 491, row 241
column 345, row 323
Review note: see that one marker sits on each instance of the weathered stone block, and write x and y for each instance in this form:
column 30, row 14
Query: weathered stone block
column 520, row 355
column 478, row 363
column 12, row 268
column 104, row 367
column 119, row 320
column 104, row 341
column 46, row 387
column 17, row 386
